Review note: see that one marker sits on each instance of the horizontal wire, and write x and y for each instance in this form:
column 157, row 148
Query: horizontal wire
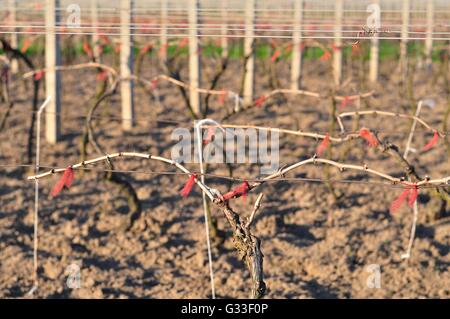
column 232, row 36
column 223, row 177
column 218, row 28
column 186, row 9
column 34, row 23
column 118, row 118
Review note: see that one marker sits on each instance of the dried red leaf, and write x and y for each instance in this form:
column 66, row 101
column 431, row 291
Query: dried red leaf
column 260, row 101
column 355, row 48
column 188, row 186
column 413, row 196
column 433, row 141
column 146, row 49
column 65, row 181
column 325, row 56
column 26, row 44
column 288, row 48
column 345, row 102
column 369, row 137
column 323, row 145
column 87, row 49
column 275, row 55
column 104, row 38
column 397, row 203
column 241, row 190
column 101, row 76
column 153, row 84
column 222, row 97
column 38, row 75
column 183, row 43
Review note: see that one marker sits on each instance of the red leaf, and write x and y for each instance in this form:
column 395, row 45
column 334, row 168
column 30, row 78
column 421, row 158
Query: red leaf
column 323, row 145
column 369, row 137
column 65, row 181
column 335, row 48
column 101, row 76
column 432, row 141
column 104, row 38
column 26, row 44
column 222, row 97
column 38, row 75
column 413, row 196
column 146, row 49
column 87, row 49
column 288, row 48
column 355, row 48
column 188, row 186
column 153, row 84
column 275, row 55
column 399, row 200
column 325, row 56
column 260, row 101
column 183, row 43
column 241, row 190
column 345, row 102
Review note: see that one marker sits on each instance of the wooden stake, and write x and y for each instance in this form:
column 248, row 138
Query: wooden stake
column 429, row 39
column 126, row 64
column 52, row 77
column 163, row 35
column 374, row 55
column 337, row 54
column 248, row 52
column 194, row 58
column 95, row 38
column 224, row 27
column 14, row 38
column 404, row 35
column 296, row 65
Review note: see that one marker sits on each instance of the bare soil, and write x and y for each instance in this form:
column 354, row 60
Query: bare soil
column 313, row 247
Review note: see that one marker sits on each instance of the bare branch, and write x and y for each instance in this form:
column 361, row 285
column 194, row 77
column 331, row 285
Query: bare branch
column 256, row 207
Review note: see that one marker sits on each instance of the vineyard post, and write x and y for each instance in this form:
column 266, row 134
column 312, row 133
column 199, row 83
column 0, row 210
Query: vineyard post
column 249, row 52
column 163, row 35
column 224, row 27
column 52, row 77
column 36, row 199
column 14, row 40
column 374, row 54
column 126, row 63
column 404, row 36
column 95, row 39
column 337, row 54
column 296, row 65
column 429, row 39
column 194, row 58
